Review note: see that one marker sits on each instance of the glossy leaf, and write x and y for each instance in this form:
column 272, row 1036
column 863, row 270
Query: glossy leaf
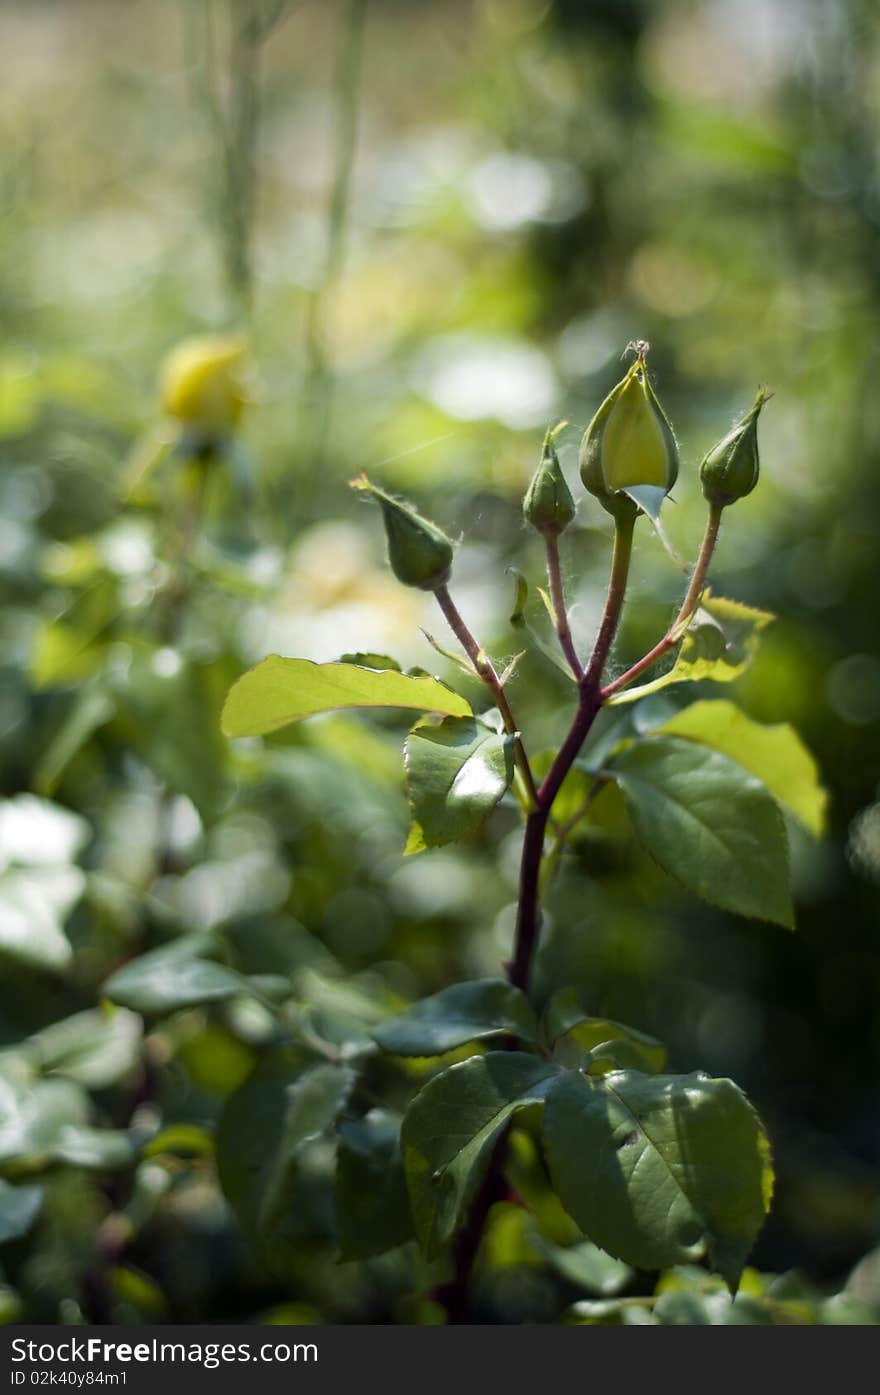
column 610, row 1312
column 46, row 1121
column 285, row 1103
column 19, row 1208
column 456, row 772
column 94, row 1047
column 681, row 1309
column 97, row 1149
column 565, row 1016
column 465, row 1012
column 33, row 1112
column 39, row 886
column 450, row 1129
column 776, row 754
column 37, row 833
column 708, row 823
column 280, row 691
column 372, row 1203
column 34, row 902
column 660, row 1170
column 173, row 977
column 585, row 1266
column 649, row 498
column 688, row 1294
column 719, row 644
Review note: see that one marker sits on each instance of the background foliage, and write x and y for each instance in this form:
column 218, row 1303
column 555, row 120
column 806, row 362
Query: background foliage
column 439, row 224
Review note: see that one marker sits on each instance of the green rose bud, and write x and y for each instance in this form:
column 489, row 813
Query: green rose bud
column 548, row 504
column 420, row 554
column 629, row 444
column 730, row 470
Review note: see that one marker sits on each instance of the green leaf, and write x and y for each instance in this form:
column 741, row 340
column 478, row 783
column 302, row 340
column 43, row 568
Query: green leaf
column 96, row 1149
column 185, row 1140
column 266, row 1124
column 566, row 1016
column 708, row 823
column 719, row 644
column 19, row 1208
column 280, row 691
column 170, row 978
column 660, row 1169
column 775, row 754
column 341, row 1013
column 465, row 1012
column 34, row 902
column 368, row 660
column 169, row 717
column 520, row 598
column 705, row 1304
column 450, row 1129
column 456, row 772
column 94, row 1047
column 463, row 665
column 90, row 709
column 45, row 1121
column 647, row 497
column 65, row 654
column 372, row 1204
column 584, row 1265
column 37, row 833
column 682, row 1310
column 610, row 1312
column 32, row 1112
column 38, row 885
column 758, row 148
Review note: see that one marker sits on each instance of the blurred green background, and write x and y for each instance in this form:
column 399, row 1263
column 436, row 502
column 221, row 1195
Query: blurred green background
column 438, row 225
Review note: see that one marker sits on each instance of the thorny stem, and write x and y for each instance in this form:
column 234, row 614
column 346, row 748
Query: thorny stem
column 592, row 696
column 454, row 1294
column 688, row 606
column 485, row 669
column 528, row 921
column 560, row 611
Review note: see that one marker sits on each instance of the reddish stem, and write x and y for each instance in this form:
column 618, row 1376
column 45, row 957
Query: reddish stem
column 591, row 699
column 485, row 669
column 560, row 610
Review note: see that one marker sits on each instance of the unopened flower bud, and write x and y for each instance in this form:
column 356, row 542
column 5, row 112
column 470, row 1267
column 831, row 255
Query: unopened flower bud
column 629, row 444
column 548, row 504
column 730, row 470
column 201, row 384
column 419, row 553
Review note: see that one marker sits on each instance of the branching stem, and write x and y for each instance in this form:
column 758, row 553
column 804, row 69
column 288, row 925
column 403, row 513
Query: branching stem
column 591, row 698
column 485, row 669
column 688, row 606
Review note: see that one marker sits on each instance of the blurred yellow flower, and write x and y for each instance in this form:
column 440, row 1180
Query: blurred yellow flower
column 201, row 382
